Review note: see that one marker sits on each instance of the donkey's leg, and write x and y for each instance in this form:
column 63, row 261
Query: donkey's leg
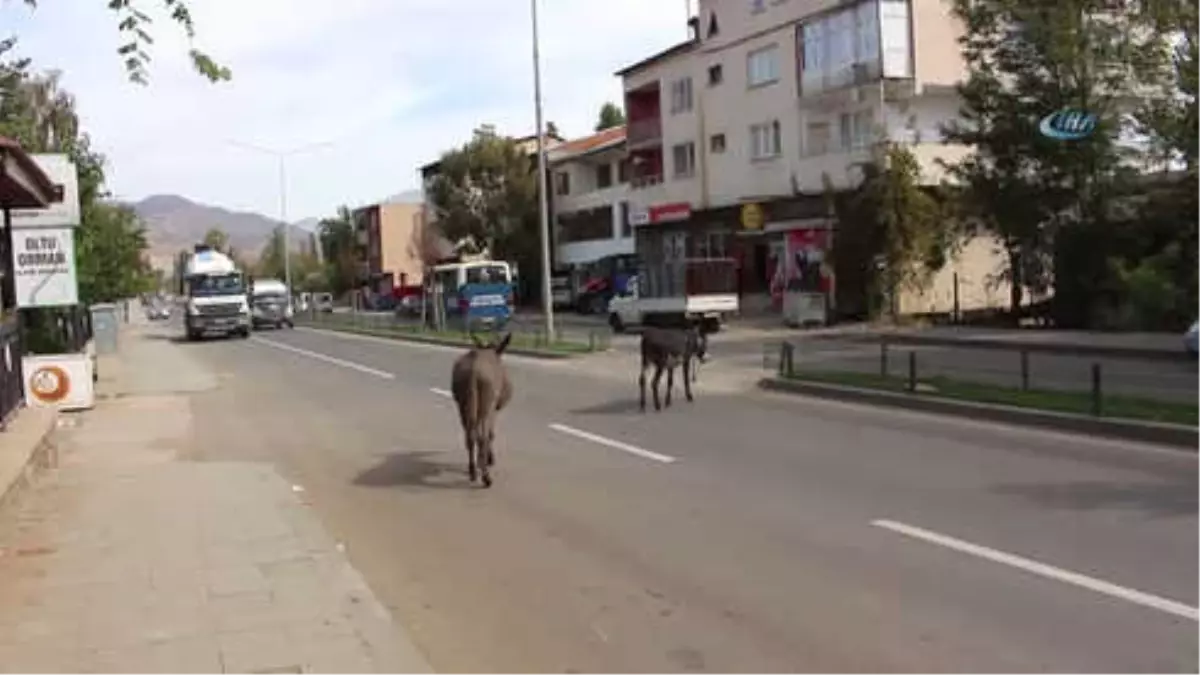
column 658, row 371
column 484, row 448
column 470, row 438
column 642, row 385
column 687, row 379
column 670, row 382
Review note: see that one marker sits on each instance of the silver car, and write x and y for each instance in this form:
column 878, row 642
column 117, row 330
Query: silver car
column 1190, row 337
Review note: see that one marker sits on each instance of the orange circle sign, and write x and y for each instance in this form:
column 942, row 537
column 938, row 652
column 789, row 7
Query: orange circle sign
column 50, row 384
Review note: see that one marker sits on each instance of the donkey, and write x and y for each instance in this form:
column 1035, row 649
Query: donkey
column 665, row 349
column 481, row 389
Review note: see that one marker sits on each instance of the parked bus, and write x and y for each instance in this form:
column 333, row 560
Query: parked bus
column 474, row 294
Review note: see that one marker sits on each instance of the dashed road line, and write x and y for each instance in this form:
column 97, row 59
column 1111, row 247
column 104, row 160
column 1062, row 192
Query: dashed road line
column 327, row 359
column 624, row 447
column 441, row 392
column 1042, row 569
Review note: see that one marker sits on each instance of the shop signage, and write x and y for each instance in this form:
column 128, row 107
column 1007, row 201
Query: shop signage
column 752, row 217
column 44, row 266
column 669, row 213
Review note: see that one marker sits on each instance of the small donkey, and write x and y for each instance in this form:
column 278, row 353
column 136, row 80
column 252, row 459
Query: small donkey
column 665, row 349
column 481, row 389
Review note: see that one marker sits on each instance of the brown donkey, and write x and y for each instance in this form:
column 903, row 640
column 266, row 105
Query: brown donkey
column 481, row 390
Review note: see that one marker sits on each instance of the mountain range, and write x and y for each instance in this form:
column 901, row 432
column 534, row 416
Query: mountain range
column 173, row 223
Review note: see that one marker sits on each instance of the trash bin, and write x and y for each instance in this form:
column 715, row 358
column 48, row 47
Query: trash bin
column 105, row 326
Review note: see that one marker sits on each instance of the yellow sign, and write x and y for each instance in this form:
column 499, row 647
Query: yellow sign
column 752, row 217
column 50, row 384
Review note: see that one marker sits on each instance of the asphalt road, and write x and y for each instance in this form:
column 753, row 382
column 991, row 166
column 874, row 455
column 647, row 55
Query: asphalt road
column 744, row 532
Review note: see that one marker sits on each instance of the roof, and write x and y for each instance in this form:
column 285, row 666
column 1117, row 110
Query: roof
column 23, row 184
column 579, row 147
column 670, row 52
column 430, row 169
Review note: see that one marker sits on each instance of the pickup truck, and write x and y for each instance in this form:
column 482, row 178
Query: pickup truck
column 692, row 291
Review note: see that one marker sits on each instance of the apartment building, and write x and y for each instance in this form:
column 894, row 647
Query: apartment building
column 393, row 243
column 590, row 188
column 733, row 134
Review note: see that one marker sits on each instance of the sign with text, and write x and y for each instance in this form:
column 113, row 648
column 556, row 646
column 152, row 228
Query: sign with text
column 44, row 266
column 61, row 171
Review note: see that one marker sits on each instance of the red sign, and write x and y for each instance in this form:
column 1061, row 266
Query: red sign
column 669, row 213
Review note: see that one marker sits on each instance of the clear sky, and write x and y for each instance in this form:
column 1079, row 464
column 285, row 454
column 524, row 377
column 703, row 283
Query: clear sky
column 391, row 83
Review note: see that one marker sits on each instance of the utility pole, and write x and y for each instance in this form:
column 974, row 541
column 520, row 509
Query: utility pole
column 543, row 198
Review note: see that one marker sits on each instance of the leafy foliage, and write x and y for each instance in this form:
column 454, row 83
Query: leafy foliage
column 339, row 249
column 133, row 25
column 611, row 116
column 892, row 232
column 1055, row 205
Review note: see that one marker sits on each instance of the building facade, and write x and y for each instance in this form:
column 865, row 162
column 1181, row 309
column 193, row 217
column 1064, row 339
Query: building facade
column 734, row 135
column 392, row 243
column 589, row 194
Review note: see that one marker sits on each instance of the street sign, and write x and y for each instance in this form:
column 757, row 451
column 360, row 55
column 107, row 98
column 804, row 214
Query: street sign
column 44, row 266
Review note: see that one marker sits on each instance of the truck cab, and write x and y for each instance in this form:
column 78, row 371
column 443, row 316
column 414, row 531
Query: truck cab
column 270, row 304
column 214, row 296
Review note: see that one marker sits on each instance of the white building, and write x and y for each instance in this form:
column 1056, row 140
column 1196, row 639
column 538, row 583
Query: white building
column 589, row 193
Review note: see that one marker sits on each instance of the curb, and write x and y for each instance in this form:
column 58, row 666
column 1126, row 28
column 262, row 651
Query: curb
column 515, row 351
column 1180, row 437
column 30, row 436
column 907, row 338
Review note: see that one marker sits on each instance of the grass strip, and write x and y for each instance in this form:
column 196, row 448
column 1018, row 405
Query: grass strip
column 524, row 341
column 1075, row 402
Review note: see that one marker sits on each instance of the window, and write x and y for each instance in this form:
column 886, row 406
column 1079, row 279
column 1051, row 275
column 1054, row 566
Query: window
column 817, row 139
column 855, row 130
column 684, row 159
column 842, row 39
column 713, row 28
column 757, row 6
column 562, row 183
column 626, row 226
column 709, row 245
column 681, row 95
column 762, row 66
column 715, row 75
column 716, row 143
column 765, row 140
column 623, row 171
column 604, row 176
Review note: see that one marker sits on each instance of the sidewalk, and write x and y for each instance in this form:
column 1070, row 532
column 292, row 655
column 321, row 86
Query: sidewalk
column 130, row 558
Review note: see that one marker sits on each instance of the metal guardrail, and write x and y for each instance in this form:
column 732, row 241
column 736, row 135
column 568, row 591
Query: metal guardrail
column 589, row 339
column 908, row 365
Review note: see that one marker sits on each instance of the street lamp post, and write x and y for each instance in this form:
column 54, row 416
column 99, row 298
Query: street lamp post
column 281, row 156
column 543, row 198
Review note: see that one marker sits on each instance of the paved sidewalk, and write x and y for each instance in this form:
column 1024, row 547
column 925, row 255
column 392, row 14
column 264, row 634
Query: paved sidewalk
column 130, row 558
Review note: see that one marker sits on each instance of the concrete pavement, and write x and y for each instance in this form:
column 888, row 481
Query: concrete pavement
column 127, row 557
column 744, row 532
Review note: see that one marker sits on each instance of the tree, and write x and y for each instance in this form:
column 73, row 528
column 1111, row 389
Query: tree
column 109, row 255
column 338, row 248
column 486, row 198
column 1051, row 203
column 551, row 129
column 895, row 232
column 133, row 25
column 611, row 116
column 217, row 240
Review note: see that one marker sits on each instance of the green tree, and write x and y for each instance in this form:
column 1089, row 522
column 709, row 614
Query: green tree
column 110, row 255
column 339, row 250
column 893, row 231
column 611, row 116
column 217, row 240
column 1051, row 203
column 133, row 26
column 486, row 199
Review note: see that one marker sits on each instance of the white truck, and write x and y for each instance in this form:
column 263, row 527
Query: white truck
column 676, row 293
column 270, row 304
column 214, row 296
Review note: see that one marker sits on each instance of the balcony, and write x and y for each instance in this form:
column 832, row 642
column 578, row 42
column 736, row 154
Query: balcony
column 642, row 182
column 647, row 131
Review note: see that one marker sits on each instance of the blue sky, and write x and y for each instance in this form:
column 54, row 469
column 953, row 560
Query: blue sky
column 389, row 83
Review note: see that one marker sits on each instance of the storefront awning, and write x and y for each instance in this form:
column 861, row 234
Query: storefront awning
column 781, row 226
column 23, row 184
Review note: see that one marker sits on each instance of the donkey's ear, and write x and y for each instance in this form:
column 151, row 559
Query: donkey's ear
column 503, row 344
column 479, row 344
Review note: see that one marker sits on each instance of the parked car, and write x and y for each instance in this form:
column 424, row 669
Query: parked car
column 1190, row 338
column 323, row 302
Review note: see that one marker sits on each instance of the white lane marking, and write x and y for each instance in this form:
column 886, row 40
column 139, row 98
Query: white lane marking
column 1049, row 571
column 327, row 359
column 441, row 392
column 624, row 447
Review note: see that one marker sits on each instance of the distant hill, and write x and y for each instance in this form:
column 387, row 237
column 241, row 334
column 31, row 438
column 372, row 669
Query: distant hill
column 174, row 223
